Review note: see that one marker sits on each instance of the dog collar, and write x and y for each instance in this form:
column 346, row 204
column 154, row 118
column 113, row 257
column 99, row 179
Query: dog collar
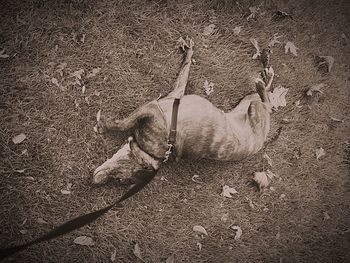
column 172, row 133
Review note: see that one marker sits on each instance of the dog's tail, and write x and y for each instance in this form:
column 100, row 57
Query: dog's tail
column 261, row 90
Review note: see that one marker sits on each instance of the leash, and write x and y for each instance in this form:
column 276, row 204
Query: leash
column 146, row 176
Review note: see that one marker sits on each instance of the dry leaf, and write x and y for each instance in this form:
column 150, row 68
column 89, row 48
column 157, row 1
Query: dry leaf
column 326, row 216
column 200, row 229
column 208, row 87
column 20, row 171
column 253, row 12
column 93, row 72
column 170, row 259
column 328, row 61
column 65, row 192
column 23, row 231
column 3, row 55
column 209, row 30
column 275, row 40
column 137, row 251
column 256, row 45
column 268, row 159
column 83, row 89
column 84, row 241
column 95, row 129
column 98, row 116
column 238, row 232
column 319, row 153
column 224, row 217
column 262, row 179
column 297, row 104
column 237, row 30
column 336, row 119
column 317, row 88
column 195, row 177
column 77, row 74
column 55, row 82
column 31, row 178
column 41, row 221
column 278, row 97
column 199, row 245
column 228, row 191
column 19, row 138
column 291, row 48
column 113, row 255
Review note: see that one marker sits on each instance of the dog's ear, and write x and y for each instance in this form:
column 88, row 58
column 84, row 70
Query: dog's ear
column 142, row 158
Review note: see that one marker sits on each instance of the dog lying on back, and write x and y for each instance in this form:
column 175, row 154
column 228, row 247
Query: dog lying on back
column 203, row 131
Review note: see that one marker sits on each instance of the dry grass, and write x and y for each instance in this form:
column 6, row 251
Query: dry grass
column 133, row 43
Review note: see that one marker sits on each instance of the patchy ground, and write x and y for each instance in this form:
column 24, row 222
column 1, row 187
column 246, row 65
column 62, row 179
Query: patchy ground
column 302, row 216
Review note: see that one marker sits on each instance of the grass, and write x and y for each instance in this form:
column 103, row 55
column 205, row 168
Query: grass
column 133, row 42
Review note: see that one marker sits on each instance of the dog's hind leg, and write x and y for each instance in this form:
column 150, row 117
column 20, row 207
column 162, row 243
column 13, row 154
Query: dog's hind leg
column 182, row 79
column 147, row 111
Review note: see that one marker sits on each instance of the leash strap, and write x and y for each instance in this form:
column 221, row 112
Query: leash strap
column 146, row 174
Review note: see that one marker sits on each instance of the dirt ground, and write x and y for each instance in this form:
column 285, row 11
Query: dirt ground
column 302, row 216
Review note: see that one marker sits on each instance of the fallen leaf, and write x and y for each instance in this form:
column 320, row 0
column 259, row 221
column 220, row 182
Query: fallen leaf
column 238, row 232
column 253, row 12
column 274, row 40
column 65, row 192
column 224, row 217
column 95, row 129
column 77, row 74
column 24, row 151
column 170, row 259
column 282, row 196
column 200, row 229
column 137, row 251
column 336, row 119
column 199, row 245
column 256, row 45
column 262, row 179
column 326, row 216
column 328, row 61
column 84, row 241
column 31, row 178
column 19, row 138
column 23, row 231
column 3, row 55
column 20, row 171
column 208, row 87
column 83, row 38
column 317, row 88
column 237, row 30
column 278, row 97
column 93, row 72
column 195, row 177
column 268, row 159
column 228, row 191
column 55, row 81
column 41, row 221
column 69, row 186
column 279, row 15
column 291, row 48
column 83, row 89
column 297, row 104
column 319, row 153
column 113, row 255
column 98, row 116
column 209, row 30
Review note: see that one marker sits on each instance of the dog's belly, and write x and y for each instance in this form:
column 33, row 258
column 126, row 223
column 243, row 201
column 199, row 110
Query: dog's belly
column 203, row 131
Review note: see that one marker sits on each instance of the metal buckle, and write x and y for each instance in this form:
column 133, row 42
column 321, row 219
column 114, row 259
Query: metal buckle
column 168, row 152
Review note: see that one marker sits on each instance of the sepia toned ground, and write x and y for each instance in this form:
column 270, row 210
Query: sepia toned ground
column 302, row 216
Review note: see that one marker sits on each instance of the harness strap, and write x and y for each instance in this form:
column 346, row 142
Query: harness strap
column 146, row 176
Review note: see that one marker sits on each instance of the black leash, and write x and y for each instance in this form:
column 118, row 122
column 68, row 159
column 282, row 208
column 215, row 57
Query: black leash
column 146, row 176
column 172, row 133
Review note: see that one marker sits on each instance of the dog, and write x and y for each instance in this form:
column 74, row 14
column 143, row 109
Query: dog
column 203, row 130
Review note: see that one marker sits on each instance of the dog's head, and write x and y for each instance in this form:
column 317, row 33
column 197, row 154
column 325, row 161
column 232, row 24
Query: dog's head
column 126, row 162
